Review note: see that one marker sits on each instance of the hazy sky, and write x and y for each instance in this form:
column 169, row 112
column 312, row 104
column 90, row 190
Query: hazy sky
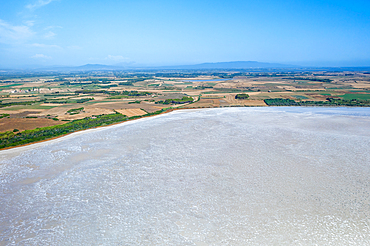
column 164, row 32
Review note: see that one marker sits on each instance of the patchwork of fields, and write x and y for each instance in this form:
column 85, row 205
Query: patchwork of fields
column 31, row 101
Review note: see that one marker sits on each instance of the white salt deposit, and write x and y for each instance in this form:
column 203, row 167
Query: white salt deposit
column 235, row 176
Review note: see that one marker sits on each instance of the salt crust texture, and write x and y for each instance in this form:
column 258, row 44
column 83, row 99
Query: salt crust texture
column 235, row 176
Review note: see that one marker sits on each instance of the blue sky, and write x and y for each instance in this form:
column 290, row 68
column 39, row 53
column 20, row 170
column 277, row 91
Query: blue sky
column 161, row 32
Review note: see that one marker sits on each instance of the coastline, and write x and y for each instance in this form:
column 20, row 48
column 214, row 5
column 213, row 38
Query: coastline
column 39, row 143
column 170, row 110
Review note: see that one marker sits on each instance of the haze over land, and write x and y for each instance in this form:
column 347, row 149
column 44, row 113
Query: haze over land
column 42, row 33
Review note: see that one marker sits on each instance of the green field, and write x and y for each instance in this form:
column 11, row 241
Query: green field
column 8, row 86
column 211, row 84
column 118, row 97
column 300, row 97
column 356, row 96
column 27, row 107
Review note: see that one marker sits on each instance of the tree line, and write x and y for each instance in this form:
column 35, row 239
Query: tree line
column 9, row 138
column 328, row 102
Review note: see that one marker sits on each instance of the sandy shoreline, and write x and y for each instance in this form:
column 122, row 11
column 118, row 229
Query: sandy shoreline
column 62, row 137
column 33, row 145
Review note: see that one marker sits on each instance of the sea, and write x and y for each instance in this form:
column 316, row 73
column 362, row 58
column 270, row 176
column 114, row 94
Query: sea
column 224, row 176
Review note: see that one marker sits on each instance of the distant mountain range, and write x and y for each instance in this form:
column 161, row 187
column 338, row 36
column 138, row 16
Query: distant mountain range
column 233, row 65
column 87, row 67
column 217, row 65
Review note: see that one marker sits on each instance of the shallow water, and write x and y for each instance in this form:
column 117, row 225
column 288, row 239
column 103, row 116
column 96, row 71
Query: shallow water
column 235, row 176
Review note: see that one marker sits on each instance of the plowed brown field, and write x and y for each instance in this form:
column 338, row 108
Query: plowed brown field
column 131, row 112
column 9, row 124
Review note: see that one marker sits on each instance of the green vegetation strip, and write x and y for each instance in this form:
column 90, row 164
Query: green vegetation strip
column 118, row 97
column 2, row 105
column 242, row 96
column 114, row 93
column 9, row 86
column 176, row 101
column 132, row 81
column 300, row 97
column 309, row 79
column 356, row 96
column 75, row 111
column 126, row 83
column 65, row 101
column 4, row 115
column 9, row 139
column 58, row 95
column 35, row 106
column 134, row 102
column 329, row 102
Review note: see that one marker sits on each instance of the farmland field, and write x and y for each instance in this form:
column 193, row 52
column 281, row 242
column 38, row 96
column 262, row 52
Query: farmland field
column 356, row 96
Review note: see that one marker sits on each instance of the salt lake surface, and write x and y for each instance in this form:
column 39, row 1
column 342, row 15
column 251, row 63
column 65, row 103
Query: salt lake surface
column 232, row 176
